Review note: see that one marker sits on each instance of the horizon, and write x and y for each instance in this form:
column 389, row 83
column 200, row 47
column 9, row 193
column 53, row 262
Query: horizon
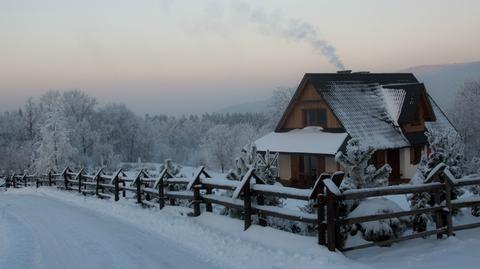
column 151, row 55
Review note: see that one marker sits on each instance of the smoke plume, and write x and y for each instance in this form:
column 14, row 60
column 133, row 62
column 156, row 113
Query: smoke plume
column 292, row 29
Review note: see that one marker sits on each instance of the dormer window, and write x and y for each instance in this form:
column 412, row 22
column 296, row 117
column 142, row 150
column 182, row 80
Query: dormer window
column 315, row 117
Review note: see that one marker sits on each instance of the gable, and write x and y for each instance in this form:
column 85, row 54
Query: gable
column 416, row 106
column 306, row 98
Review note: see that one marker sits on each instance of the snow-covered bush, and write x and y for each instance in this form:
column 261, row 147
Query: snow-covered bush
column 473, row 168
column 267, row 167
column 172, row 168
column 420, row 201
column 380, row 230
column 446, row 147
column 361, row 175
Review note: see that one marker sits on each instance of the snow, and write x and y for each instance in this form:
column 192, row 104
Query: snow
column 374, row 206
column 306, row 140
column 393, row 99
column 282, row 190
column 285, row 211
column 68, row 236
column 220, row 182
column 460, row 251
column 124, row 235
column 94, row 233
column 332, row 187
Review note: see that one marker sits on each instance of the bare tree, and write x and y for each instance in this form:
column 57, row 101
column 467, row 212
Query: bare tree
column 277, row 104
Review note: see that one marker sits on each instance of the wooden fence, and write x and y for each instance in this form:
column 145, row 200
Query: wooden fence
column 248, row 196
column 440, row 181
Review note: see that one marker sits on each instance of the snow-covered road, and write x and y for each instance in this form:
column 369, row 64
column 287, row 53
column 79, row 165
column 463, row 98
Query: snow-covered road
column 69, row 236
column 49, row 228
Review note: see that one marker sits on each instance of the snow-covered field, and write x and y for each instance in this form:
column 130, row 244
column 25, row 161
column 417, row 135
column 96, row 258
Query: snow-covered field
column 46, row 228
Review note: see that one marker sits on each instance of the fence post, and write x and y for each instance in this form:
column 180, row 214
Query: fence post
column 448, row 203
column 37, row 181
column 261, row 219
column 331, row 210
column 138, row 184
column 438, row 214
column 196, row 200
column 49, row 178
column 161, row 193
column 80, row 181
column 97, row 183
column 321, row 218
column 25, row 180
column 116, row 187
column 172, row 200
column 65, row 178
column 247, row 206
column 208, row 205
column 14, row 181
column 318, row 194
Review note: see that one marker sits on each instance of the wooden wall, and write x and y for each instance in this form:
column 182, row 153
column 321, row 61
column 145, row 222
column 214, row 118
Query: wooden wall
column 308, row 99
column 420, row 126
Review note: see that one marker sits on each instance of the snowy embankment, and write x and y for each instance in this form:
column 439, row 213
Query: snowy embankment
column 96, row 230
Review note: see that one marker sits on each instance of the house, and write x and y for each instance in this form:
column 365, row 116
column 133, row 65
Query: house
column 389, row 111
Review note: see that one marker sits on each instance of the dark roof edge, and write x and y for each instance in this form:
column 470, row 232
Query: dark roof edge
column 441, row 111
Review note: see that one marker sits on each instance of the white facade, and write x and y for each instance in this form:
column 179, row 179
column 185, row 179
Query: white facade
column 284, row 166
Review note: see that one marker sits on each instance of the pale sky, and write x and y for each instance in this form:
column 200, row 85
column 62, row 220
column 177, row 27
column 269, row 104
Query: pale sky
column 198, row 56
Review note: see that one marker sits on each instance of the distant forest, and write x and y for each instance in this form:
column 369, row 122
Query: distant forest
column 70, row 127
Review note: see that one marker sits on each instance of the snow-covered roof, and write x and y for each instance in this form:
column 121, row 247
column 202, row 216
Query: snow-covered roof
column 361, row 108
column 307, row 140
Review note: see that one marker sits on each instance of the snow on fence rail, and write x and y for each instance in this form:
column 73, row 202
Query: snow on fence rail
column 249, row 196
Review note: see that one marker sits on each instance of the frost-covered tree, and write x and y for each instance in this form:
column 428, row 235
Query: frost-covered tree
column 466, row 118
column 277, row 104
column 173, row 169
column 244, row 162
column 54, row 150
column 108, row 135
column 222, row 143
column 446, row 147
column 361, row 175
column 219, row 146
column 267, row 167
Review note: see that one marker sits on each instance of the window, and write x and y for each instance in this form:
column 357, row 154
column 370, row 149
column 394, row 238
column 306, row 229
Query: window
column 415, row 154
column 315, row 117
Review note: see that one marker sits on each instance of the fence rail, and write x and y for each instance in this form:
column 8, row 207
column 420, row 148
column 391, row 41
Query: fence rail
column 248, row 195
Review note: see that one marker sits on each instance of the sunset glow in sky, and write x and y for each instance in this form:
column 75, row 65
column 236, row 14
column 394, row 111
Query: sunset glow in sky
column 197, row 56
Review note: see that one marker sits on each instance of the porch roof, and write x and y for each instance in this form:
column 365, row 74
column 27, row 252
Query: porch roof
column 311, row 140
